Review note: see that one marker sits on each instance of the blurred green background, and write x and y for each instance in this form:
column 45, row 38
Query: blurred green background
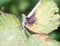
column 17, row 7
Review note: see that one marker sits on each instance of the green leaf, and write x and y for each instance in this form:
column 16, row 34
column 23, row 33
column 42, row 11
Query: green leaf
column 11, row 32
column 2, row 2
column 47, row 17
column 39, row 41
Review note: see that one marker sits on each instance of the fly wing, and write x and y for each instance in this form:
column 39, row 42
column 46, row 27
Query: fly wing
column 33, row 10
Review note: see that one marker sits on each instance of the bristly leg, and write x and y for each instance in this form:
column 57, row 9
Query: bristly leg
column 23, row 21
